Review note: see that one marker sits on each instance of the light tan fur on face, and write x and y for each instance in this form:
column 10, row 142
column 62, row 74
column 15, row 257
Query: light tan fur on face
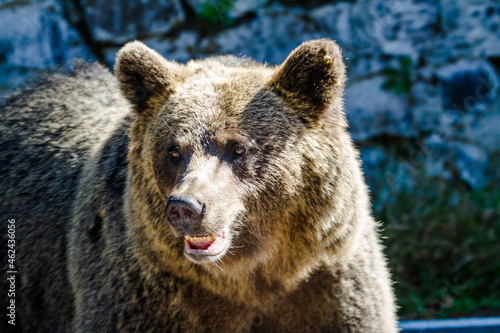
column 318, row 209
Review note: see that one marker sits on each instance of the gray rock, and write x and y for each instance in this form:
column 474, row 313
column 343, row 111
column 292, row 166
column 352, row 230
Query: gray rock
column 451, row 124
column 388, row 174
column 110, row 55
column 468, row 85
column 234, row 9
column 374, row 166
column 472, row 27
column 454, row 102
column 13, row 77
column 484, row 130
column 119, row 21
column 472, row 163
column 361, row 54
column 243, row 7
column 372, row 111
column 179, row 48
column 35, row 37
column 427, row 110
column 335, row 19
column 395, row 27
column 467, row 160
column 196, row 4
column 8, row 2
column 379, row 32
column 275, row 32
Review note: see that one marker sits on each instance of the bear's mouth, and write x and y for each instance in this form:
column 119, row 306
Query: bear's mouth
column 206, row 245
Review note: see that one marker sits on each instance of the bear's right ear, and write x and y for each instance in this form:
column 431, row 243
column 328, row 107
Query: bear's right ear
column 311, row 78
column 146, row 78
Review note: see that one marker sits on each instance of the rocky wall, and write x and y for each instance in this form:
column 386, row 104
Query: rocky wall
column 422, row 74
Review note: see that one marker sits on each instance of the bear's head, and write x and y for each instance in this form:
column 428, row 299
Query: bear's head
column 233, row 163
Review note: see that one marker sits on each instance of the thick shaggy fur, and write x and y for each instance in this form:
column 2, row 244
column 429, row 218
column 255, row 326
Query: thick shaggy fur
column 87, row 175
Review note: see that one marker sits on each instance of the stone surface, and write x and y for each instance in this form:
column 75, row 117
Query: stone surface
column 375, row 165
column 110, row 55
column 373, row 112
column 336, row 20
column 35, row 36
column 234, row 9
column 452, row 103
column 7, row 2
column 179, row 48
column 242, row 7
column 119, row 21
column 394, row 27
column 478, row 128
column 485, row 131
column 468, row 85
column 426, row 110
column 275, row 32
column 473, row 27
column 467, row 160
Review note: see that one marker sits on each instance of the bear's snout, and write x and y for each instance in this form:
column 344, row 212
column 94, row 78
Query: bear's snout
column 184, row 212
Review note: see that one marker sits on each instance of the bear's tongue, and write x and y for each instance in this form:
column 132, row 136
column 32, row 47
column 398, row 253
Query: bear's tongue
column 201, row 242
column 200, row 245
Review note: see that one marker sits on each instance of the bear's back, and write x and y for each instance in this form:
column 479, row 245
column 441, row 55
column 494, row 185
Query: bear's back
column 48, row 131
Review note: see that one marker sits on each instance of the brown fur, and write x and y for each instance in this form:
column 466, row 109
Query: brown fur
column 304, row 253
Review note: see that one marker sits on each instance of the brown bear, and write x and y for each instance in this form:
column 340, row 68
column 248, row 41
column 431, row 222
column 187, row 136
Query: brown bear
column 221, row 195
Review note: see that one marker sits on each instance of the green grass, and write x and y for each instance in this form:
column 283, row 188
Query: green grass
column 443, row 244
column 399, row 80
column 216, row 12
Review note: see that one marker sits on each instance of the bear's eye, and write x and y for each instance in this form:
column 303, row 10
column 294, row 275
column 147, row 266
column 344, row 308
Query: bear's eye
column 174, row 153
column 239, row 150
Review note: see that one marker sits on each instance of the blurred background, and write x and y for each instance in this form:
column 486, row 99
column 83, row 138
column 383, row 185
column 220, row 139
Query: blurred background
column 422, row 101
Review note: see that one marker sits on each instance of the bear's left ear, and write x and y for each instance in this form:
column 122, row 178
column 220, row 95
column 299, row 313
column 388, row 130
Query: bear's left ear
column 312, row 77
column 146, row 78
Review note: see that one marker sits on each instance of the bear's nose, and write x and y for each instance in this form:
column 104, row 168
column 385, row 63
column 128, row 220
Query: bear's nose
column 184, row 212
